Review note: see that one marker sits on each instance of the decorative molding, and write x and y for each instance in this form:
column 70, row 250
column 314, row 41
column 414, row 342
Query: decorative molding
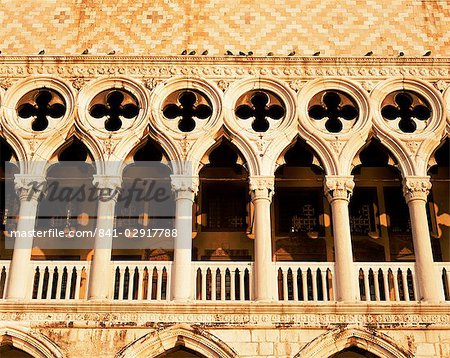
column 262, row 187
column 184, row 186
column 338, row 187
column 108, row 186
column 416, row 188
column 82, row 314
column 226, row 66
column 30, row 187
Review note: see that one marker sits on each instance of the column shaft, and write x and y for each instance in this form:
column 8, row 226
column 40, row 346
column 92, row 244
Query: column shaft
column 416, row 190
column 262, row 189
column 30, row 190
column 185, row 188
column 100, row 277
column 338, row 191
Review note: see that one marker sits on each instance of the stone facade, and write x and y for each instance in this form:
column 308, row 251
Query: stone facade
column 271, row 308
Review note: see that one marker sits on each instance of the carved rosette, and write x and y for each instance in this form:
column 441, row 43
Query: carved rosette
column 416, row 188
column 262, row 187
column 108, row 187
column 184, row 186
column 338, row 187
column 30, row 187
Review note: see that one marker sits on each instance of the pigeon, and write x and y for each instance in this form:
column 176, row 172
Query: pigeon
column 85, row 52
column 291, row 53
column 229, row 53
column 428, row 53
column 112, row 52
column 316, row 53
column 242, row 53
column 192, row 53
column 204, row 53
column 370, row 53
column 42, row 52
column 270, row 54
column 184, row 53
column 401, row 54
column 250, row 53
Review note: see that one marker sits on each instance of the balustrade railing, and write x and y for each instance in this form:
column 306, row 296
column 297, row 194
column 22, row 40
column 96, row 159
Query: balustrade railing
column 444, row 272
column 4, row 270
column 226, row 281
column 223, row 281
column 387, row 281
column 305, row 281
column 59, row 280
column 141, row 281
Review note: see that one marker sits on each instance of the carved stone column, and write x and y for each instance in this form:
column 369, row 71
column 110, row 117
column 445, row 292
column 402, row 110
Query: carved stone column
column 338, row 190
column 185, row 189
column 100, row 278
column 261, row 190
column 30, row 190
column 415, row 190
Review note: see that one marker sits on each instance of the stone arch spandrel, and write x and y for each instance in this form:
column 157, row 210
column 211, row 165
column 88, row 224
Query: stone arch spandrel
column 29, row 341
column 161, row 341
column 337, row 340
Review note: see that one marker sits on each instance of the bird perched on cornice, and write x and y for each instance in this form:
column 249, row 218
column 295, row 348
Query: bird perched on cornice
column 192, row 53
column 242, row 53
column 370, row 53
column 401, row 54
column 316, row 53
column 85, row 52
column 428, row 53
column 250, row 53
column 42, row 52
column 270, row 54
column 291, row 53
column 229, row 53
column 184, row 53
column 205, row 53
column 113, row 52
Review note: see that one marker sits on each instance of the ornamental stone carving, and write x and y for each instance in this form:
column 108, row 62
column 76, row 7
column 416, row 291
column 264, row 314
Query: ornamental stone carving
column 184, row 186
column 262, row 187
column 108, row 186
column 30, row 187
column 338, row 187
column 416, row 188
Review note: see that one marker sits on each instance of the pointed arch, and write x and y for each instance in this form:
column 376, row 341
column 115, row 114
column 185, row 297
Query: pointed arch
column 316, row 159
column 158, row 342
column 384, row 155
column 339, row 339
column 204, row 149
column 33, row 343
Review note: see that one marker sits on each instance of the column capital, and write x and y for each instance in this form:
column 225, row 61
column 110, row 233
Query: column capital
column 262, row 187
column 29, row 186
column 184, row 186
column 108, row 186
column 416, row 187
column 338, row 187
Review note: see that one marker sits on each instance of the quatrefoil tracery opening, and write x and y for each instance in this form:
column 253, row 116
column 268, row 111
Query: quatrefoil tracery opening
column 40, row 105
column 261, row 107
column 114, row 105
column 187, row 106
column 408, row 111
column 334, row 110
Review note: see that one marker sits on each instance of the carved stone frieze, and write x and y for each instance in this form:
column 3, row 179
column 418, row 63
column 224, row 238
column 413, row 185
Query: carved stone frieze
column 274, row 316
column 338, row 187
column 262, row 187
column 184, row 186
column 416, row 188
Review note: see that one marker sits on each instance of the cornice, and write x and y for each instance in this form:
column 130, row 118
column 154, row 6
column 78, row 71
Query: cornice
column 138, row 314
column 224, row 66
